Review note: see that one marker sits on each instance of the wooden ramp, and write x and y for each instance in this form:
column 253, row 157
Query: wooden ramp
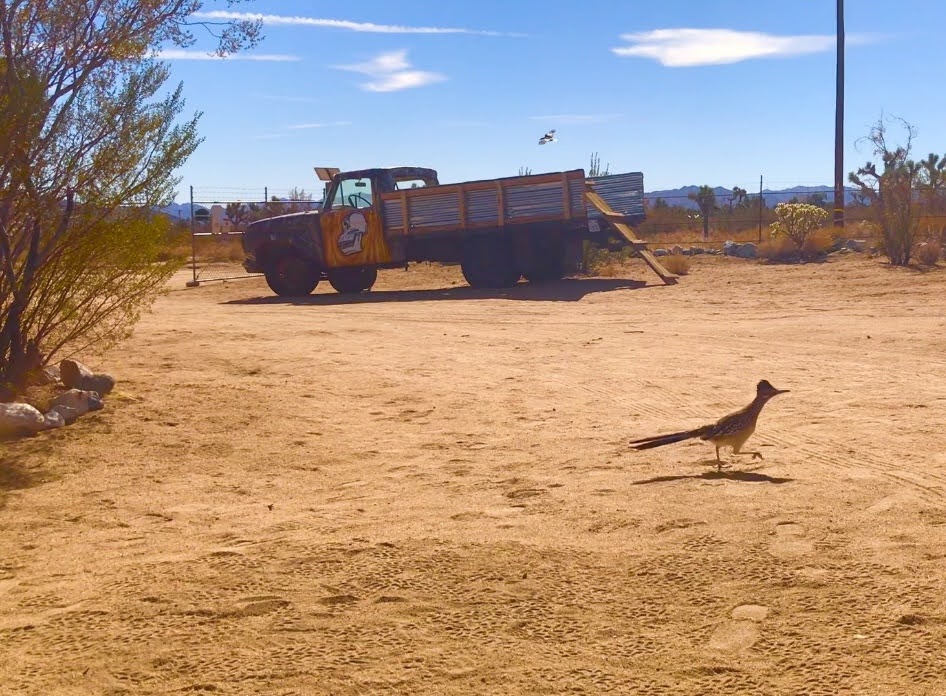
column 619, row 223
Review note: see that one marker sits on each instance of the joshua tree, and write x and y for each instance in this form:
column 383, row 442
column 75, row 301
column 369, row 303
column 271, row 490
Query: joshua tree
column 706, row 200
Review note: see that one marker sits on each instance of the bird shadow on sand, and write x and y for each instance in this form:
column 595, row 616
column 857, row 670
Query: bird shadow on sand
column 714, row 475
column 567, row 290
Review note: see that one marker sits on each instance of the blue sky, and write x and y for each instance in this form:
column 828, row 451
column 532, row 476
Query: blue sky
column 687, row 91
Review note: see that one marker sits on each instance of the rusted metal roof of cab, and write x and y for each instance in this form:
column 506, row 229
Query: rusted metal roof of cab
column 395, row 172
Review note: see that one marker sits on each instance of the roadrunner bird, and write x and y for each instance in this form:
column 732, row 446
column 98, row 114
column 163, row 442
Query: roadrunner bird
column 729, row 431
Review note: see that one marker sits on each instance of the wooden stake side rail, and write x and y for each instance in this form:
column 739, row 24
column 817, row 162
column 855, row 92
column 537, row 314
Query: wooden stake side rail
column 458, row 203
column 618, row 222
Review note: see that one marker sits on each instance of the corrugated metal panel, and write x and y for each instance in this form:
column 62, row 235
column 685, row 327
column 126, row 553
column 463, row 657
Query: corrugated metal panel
column 482, row 207
column 434, row 210
column 393, row 214
column 535, row 200
column 623, row 192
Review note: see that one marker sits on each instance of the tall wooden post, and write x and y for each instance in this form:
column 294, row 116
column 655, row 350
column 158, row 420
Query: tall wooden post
column 839, row 125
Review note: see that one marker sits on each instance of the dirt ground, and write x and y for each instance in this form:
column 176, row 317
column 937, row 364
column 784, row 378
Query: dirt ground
column 428, row 489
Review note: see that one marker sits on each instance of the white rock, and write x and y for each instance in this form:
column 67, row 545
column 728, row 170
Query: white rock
column 19, row 419
column 76, row 402
column 54, row 419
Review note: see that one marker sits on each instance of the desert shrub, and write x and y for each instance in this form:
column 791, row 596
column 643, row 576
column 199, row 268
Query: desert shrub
column 778, row 250
column 593, row 258
column 891, row 190
column 797, row 221
column 676, row 263
column 929, row 253
column 817, row 244
column 90, row 140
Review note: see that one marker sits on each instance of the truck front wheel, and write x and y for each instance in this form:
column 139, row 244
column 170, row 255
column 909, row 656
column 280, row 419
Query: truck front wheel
column 352, row 280
column 291, row 276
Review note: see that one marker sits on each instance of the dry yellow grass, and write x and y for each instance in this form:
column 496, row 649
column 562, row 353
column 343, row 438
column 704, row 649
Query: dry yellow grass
column 929, row 253
column 695, row 238
column 676, row 263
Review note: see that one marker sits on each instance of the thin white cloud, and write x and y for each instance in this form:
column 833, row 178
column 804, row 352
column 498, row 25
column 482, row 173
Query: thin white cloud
column 306, row 126
column 577, row 118
column 390, row 72
column 677, row 48
column 182, row 54
column 298, row 127
column 370, row 27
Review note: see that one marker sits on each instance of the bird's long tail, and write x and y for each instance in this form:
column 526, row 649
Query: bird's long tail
column 661, row 440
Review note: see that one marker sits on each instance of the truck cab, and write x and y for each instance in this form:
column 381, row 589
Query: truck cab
column 344, row 241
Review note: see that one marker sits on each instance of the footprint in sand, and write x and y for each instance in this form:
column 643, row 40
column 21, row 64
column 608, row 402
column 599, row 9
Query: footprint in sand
column 741, row 631
column 789, row 540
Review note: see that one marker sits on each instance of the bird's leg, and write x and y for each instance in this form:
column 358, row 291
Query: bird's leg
column 755, row 455
column 719, row 461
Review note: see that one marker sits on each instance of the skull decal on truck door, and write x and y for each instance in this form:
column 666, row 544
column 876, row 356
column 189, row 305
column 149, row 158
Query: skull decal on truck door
column 353, row 237
column 354, row 228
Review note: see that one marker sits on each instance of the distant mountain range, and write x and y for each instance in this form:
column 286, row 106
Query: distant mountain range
column 678, row 196
column 681, row 196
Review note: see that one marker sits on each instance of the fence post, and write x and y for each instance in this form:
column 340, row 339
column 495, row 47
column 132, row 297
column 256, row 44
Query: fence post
column 193, row 283
column 761, row 203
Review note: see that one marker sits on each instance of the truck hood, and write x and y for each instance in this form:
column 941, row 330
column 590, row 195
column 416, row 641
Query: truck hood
column 287, row 216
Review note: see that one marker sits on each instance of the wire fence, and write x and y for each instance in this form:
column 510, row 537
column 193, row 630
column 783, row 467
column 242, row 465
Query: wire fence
column 216, row 220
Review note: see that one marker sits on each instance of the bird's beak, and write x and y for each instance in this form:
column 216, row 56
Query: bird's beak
column 781, row 391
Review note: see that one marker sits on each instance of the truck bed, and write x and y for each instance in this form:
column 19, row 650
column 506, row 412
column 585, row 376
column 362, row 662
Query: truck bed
column 520, row 200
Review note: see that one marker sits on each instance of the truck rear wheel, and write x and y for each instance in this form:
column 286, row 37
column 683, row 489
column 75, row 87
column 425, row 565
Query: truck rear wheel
column 489, row 263
column 352, row 280
column 548, row 263
column 291, row 276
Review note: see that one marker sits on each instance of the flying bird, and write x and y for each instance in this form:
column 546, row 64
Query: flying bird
column 729, row 431
column 548, row 137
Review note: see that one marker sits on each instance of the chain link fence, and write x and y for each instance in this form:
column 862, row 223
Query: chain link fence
column 216, row 220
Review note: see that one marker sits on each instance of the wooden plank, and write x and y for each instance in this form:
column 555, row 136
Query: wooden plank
column 566, row 196
column 461, row 206
column 500, row 204
column 404, row 214
column 618, row 217
column 627, row 232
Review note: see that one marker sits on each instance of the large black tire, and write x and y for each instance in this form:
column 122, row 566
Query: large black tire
column 489, row 263
column 548, row 263
column 352, row 280
column 289, row 275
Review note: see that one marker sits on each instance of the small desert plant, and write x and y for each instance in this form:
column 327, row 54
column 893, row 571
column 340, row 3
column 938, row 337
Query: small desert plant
column 797, row 221
column 929, row 253
column 676, row 263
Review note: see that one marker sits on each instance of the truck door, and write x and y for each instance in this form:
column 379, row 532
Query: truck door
column 352, row 232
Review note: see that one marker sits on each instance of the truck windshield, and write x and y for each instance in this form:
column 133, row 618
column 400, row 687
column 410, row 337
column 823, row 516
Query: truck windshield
column 353, row 193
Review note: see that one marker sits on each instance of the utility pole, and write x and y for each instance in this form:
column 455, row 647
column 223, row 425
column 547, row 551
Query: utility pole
column 839, row 125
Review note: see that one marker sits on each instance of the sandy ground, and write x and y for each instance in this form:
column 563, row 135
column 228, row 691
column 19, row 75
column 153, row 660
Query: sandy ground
column 429, row 490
